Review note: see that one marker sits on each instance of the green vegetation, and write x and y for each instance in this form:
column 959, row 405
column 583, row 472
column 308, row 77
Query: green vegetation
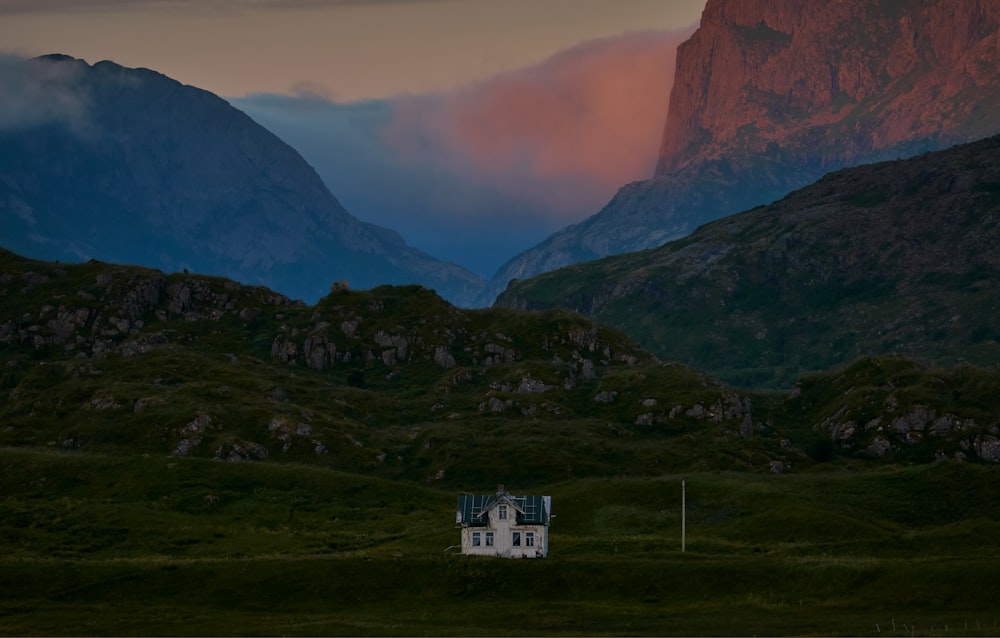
column 892, row 258
column 100, row 545
column 183, row 455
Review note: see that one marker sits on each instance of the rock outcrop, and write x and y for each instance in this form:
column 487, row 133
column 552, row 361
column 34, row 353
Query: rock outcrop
column 122, row 309
column 349, row 327
column 882, row 410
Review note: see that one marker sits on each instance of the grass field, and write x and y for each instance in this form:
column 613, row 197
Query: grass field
column 148, row 545
column 172, row 462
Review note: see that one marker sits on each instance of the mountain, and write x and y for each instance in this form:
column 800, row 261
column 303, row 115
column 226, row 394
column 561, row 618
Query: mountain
column 896, row 257
column 769, row 95
column 128, row 165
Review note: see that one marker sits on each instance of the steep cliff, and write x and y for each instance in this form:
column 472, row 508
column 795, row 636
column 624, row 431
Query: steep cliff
column 770, row 95
column 128, row 165
column 830, row 83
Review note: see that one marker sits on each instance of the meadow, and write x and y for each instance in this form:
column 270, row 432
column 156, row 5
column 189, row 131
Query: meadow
column 154, row 545
column 175, row 459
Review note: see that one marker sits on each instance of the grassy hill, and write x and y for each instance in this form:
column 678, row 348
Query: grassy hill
column 393, row 382
column 892, row 258
column 185, row 455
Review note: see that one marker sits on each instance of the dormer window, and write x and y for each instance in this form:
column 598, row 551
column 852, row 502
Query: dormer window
column 502, row 512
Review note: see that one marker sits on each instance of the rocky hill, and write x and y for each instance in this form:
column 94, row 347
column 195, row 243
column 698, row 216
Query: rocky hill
column 769, row 96
column 127, row 165
column 103, row 359
column 394, row 382
column 897, row 257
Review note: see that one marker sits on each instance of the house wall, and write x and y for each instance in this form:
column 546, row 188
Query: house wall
column 502, row 542
column 503, row 538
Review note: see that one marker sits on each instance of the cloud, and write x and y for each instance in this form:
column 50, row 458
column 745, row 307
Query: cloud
column 479, row 174
column 566, row 133
column 37, row 92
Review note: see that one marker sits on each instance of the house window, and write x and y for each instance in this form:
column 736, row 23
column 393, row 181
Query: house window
column 502, row 512
column 529, row 539
column 476, row 539
column 516, row 539
column 489, row 539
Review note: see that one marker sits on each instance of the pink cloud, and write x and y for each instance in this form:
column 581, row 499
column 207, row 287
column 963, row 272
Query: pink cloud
column 563, row 135
column 479, row 174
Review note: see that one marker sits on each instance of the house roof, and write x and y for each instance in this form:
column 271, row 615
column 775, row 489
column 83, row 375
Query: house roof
column 473, row 509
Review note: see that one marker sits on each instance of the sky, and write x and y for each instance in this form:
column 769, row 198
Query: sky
column 474, row 128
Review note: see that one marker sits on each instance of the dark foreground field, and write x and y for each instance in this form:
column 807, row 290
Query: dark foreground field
column 100, row 545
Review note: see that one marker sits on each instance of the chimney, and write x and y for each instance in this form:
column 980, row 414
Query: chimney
column 500, row 489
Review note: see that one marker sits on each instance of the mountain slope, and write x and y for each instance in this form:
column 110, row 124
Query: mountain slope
column 138, row 168
column 896, row 257
column 770, row 95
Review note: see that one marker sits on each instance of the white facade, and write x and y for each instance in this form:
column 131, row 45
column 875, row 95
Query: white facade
column 504, row 525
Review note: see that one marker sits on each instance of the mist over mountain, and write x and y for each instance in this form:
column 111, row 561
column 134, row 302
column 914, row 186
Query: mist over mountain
column 130, row 166
column 484, row 171
column 770, row 95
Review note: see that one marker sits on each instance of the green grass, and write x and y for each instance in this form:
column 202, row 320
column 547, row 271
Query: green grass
column 461, row 597
column 98, row 545
column 109, row 525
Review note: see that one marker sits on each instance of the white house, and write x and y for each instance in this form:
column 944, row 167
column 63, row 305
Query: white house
column 504, row 525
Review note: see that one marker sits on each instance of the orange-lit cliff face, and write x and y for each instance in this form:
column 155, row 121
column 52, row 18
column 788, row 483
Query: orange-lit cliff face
column 770, row 95
column 835, row 80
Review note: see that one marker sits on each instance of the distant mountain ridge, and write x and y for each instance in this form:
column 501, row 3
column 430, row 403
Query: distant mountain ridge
column 156, row 173
column 897, row 257
column 769, row 95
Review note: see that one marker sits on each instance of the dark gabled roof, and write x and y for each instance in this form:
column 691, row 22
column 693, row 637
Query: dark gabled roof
column 534, row 510
column 473, row 509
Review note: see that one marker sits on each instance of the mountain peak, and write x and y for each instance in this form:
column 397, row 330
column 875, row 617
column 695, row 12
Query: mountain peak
column 57, row 57
column 174, row 177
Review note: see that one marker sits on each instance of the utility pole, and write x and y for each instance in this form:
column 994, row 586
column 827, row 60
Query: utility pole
column 683, row 516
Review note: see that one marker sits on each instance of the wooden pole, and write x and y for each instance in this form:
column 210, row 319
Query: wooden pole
column 683, row 516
